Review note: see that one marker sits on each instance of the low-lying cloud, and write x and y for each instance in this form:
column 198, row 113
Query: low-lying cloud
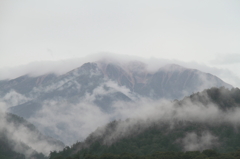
column 13, row 98
column 69, row 122
column 23, row 139
column 62, row 66
column 193, row 141
column 72, row 122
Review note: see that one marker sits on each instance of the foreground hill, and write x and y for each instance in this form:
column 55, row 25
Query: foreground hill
column 205, row 154
column 205, row 120
column 20, row 139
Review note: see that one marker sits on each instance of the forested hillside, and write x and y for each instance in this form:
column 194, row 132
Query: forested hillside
column 96, row 86
column 205, row 154
column 20, row 139
column 204, row 120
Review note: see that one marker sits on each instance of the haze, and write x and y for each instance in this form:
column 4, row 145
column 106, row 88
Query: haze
column 39, row 37
column 202, row 31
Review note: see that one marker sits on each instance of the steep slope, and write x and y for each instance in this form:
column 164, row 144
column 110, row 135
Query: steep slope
column 171, row 82
column 25, row 84
column 72, row 87
column 209, row 119
column 6, row 150
column 20, row 139
column 205, row 154
column 97, row 89
column 175, row 82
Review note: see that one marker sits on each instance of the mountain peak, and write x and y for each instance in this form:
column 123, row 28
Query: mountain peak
column 172, row 67
column 89, row 66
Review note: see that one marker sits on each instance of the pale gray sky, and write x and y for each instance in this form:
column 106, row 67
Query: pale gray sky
column 186, row 30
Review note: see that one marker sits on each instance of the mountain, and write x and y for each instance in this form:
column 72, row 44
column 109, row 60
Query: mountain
column 20, row 139
column 205, row 154
column 94, row 92
column 203, row 120
column 26, row 94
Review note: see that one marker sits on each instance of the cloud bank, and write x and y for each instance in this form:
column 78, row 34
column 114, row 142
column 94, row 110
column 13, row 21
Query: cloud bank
column 24, row 139
column 153, row 64
column 74, row 122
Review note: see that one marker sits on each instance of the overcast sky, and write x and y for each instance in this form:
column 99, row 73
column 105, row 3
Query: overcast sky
column 203, row 31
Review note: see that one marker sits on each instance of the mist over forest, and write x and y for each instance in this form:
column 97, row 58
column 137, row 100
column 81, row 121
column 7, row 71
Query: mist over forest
column 119, row 79
column 107, row 101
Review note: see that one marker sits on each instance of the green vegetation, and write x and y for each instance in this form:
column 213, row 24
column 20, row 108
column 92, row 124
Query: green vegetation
column 151, row 139
column 205, row 154
column 164, row 139
column 154, row 139
column 222, row 97
column 7, row 150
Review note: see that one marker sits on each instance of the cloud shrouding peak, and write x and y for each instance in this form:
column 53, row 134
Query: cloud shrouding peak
column 151, row 64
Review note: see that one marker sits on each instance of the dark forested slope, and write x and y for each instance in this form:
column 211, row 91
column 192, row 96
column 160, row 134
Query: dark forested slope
column 204, row 120
column 20, row 139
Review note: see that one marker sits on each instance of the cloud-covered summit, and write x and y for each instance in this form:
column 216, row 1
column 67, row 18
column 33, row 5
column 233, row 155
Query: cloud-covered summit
column 96, row 85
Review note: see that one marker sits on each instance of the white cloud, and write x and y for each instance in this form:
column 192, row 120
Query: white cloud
column 193, row 141
column 152, row 65
column 20, row 133
column 227, row 59
column 13, row 98
column 72, row 122
column 69, row 122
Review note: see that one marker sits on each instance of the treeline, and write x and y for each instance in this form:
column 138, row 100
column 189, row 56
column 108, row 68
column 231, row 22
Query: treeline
column 162, row 136
column 8, row 145
column 224, row 98
column 7, row 151
column 153, row 140
column 205, row 154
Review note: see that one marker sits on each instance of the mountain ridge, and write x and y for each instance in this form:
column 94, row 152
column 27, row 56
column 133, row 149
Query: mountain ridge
column 99, row 85
column 22, row 140
column 143, row 136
